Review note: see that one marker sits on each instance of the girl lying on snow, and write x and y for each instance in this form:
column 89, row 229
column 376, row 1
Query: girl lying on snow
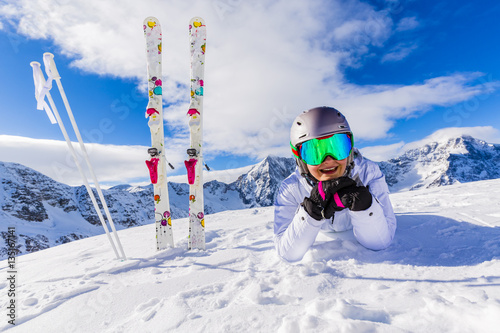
column 332, row 189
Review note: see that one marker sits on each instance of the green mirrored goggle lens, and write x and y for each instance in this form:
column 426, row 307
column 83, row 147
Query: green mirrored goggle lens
column 314, row 151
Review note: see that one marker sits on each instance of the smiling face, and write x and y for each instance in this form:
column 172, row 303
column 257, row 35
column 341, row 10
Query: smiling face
column 328, row 169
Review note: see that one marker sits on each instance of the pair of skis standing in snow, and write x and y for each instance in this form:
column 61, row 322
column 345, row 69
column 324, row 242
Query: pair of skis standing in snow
column 154, row 113
column 307, row 201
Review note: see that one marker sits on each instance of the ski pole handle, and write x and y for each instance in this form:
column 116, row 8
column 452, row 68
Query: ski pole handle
column 42, row 88
column 50, row 66
column 36, row 76
column 39, row 81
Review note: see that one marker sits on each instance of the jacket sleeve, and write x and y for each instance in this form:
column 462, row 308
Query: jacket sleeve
column 294, row 230
column 370, row 227
column 374, row 228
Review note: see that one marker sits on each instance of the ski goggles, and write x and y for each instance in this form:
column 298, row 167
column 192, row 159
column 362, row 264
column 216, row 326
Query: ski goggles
column 314, row 151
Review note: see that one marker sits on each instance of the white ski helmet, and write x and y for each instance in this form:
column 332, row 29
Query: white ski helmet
column 316, row 123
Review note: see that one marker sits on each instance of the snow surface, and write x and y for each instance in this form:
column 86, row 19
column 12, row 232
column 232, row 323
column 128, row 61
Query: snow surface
column 442, row 274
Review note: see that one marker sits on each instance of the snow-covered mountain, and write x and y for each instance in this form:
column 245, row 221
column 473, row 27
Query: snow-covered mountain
column 447, row 161
column 441, row 274
column 48, row 213
column 259, row 186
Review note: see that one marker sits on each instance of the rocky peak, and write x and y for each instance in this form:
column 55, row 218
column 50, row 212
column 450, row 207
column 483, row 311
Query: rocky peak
column 444, row 162
column 260, row 185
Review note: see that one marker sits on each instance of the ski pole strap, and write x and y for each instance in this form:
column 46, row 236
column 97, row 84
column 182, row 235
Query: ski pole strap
column 42, row 87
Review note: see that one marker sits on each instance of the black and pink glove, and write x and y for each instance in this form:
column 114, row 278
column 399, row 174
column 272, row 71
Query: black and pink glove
column 330, row 196
column 356, row 198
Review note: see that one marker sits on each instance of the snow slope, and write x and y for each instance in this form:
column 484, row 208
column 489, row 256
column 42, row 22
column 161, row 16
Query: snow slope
column 442, row 274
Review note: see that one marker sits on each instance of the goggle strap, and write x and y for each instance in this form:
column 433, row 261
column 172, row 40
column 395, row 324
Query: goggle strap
column 294, row 150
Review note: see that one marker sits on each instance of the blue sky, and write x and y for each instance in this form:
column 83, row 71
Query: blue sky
column 399, row 70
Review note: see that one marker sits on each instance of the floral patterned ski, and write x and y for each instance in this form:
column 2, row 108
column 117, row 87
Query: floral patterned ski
column 194, row 164
column 154, row 112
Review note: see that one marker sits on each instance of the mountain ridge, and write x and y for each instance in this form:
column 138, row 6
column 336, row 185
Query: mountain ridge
column 455, row 160
column 48, row 213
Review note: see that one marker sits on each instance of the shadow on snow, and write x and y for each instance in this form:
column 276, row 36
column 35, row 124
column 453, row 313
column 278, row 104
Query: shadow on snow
column 421, row 240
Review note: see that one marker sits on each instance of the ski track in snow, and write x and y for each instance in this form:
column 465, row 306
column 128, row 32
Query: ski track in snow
column 441, row 274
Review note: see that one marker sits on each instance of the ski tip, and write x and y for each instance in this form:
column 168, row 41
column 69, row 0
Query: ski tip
column 151, row 22
column 196, row 22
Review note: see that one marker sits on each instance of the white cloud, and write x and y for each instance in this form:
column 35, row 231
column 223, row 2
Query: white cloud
column 407, row 23
column 372, row 110
column 382, row 153
column 111, row 163
column 265, row 63
column 486, row 133
column 399, row 52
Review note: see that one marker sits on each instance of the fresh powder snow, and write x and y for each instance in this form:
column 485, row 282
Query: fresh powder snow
column 441, row 274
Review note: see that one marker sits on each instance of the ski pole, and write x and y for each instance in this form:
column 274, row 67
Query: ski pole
column 51, row 70
column 39, row 81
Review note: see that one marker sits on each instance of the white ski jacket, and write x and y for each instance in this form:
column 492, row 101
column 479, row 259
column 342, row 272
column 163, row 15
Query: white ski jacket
column 295, row 231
